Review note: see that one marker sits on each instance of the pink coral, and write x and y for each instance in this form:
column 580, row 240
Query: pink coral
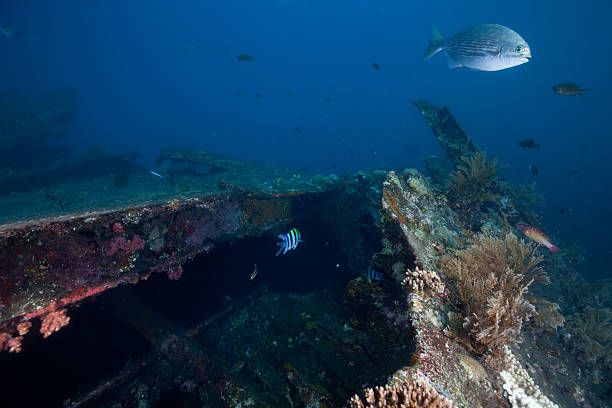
column 53, row 321
column 118, row 228
column 4, row 337
column 24, row 327
column 120, row 243
column 14, row 344
column 10, row 343
column 175, row 273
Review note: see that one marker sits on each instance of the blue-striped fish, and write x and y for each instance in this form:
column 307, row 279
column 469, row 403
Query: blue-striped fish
column 289, row 241
column 374, row 275
column 484, row 47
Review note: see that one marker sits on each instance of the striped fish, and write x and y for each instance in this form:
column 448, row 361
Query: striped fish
column 374, row 275
column 483, row 47
column 289, row 241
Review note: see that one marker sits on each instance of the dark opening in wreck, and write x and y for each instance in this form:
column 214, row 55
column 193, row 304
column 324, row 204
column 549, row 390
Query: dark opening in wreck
column 180, row 339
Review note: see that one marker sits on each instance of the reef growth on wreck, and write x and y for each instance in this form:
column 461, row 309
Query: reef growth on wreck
column 492, row 277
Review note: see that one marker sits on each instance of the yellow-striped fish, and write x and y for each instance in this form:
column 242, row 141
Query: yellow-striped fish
column 255, row 271
column 289, row 241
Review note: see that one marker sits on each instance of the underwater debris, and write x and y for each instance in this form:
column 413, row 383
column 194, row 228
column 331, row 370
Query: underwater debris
column 491, row 277
column 416, row 393
column 452, row 137
column 375, row 66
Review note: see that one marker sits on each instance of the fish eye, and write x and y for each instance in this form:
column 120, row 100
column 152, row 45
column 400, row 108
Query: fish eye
column 518, row 49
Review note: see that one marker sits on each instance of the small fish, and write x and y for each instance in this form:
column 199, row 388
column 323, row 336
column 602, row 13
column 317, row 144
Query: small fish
column 298, row 130
column 569, row 89
column 483, row 47
column 258, row 96
column 244, row 57
column 289, row 241
column 328, row 99
column 375, row 66
column 533, row 170
column 156, row 174
column 566, row 210
column 529, row 144
column 374, row 275
column 8, row 33
column 538, row 236
column 255, row 271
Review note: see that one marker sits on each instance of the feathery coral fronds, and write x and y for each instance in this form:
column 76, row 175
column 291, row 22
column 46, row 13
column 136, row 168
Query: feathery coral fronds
column 472, row 183
column 492, row 277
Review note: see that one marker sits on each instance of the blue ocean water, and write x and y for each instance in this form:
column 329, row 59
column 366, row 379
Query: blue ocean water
column 149, row 74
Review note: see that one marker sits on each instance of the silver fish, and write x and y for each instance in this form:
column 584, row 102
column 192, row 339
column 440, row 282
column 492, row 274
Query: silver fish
column 483, row 47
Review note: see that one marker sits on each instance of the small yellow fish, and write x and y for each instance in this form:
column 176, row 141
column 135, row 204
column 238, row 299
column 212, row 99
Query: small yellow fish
column 255, row 270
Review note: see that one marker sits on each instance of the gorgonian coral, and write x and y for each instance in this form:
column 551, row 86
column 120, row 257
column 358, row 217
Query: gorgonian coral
column 491, row 277
column 473, row 182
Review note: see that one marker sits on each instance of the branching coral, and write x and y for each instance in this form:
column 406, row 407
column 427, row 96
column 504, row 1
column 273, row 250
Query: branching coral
column 418, row 280
column 491, row 277
column 473, row 182
column 416, row 394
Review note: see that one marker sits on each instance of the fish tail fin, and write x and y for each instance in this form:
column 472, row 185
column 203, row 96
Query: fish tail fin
column 282, row 246
column 581, row 94
column 436, row 43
